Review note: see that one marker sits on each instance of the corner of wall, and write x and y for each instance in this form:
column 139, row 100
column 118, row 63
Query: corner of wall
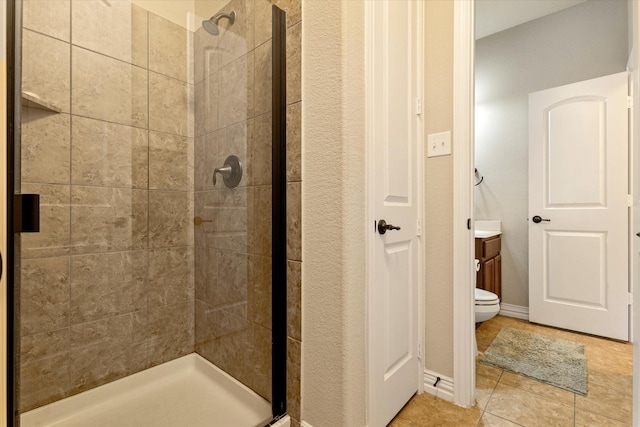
column 439, row 189
column 333, row 371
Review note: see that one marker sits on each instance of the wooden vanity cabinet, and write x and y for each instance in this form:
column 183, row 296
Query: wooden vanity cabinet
column 490, row 275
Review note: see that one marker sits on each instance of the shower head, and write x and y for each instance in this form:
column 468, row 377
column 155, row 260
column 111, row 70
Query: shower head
column 211, row 25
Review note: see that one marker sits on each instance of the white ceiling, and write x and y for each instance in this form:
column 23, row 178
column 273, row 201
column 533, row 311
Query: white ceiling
column 493, row 16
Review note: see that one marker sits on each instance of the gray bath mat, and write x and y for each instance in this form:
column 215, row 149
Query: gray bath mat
column 550, row 360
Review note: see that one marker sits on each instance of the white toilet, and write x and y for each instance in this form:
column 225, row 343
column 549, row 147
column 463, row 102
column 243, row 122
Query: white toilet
column 487, row 305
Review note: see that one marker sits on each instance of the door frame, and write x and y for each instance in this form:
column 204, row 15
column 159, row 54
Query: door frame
column 464, row 367
column 463, row 108
column 634, row 152
column 370, row 32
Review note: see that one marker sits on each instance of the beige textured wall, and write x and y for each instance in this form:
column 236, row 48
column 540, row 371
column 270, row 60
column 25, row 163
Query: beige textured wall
column 333, row 369
column 438, row 109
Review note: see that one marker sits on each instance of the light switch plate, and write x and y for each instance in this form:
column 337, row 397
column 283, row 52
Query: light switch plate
column 439, row 144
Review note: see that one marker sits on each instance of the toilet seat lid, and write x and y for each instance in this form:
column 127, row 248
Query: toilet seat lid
column 486, row 297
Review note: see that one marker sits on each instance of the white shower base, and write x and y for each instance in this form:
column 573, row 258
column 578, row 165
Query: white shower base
column 189, row 392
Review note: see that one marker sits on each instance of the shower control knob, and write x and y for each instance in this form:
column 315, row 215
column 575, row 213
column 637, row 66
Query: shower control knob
column 383, row 226
column 538, row 219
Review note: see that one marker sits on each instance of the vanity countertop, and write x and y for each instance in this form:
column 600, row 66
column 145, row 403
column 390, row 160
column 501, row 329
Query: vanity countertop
column 487, row 228
column 483, row 234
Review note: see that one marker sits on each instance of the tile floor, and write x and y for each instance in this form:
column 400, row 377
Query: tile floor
column 506, row 399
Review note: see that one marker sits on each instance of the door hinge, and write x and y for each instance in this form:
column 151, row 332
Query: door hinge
column 629, row 101
column 418, row 106
column 420, row 350
column 419, row 228
column 629, row 200
column 630, row 298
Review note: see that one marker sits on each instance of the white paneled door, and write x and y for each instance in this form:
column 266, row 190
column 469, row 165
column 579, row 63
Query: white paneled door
column 393, row 292
column 578, row 207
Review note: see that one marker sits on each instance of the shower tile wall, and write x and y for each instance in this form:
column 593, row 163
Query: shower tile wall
column 107, row 286
column 233, row 252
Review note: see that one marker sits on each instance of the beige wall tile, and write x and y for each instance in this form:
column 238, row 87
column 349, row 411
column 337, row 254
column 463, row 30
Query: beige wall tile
column 233, row 280
column 208, row 54
column 46, row 69
column 263, row 21
column 171, row 276
column 203, row 167
column 139, row 36
column 108, row 219
column 206, row 273
column 54, row 236
column 294, row 64
column 259, row 290
column 44, row 294
column 263, row 79
column 109, row 154
column 294, row 221
column 118, row 30
column 107, row 285
column 200, row 109
column 106, row 350
column 227, row 326
column 259, row 220
column 294, row 354
column 50, row 17
column 260, row 150
column 45, row 147
column 170, row 219
column 206, row 208
column 294, row 142
column 42, row 345
column 170, row 105
column 108, row 89
column 258, row 367
column 232, row 220
column 171, row 332
column 294, row 300
column 44, row 381
column 207, row 104
column 169, row 49
column 237, row 91
column 236, row 40
column 244, row 354
column 170, row 162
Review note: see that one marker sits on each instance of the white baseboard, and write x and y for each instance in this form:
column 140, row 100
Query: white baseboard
column 305, row 424
column 444, row 389
column 517, row 311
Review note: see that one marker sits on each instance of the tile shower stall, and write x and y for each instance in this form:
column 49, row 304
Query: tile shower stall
column 140, row 259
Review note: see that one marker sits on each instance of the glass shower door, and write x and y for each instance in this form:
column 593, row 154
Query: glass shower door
column 127, row 108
